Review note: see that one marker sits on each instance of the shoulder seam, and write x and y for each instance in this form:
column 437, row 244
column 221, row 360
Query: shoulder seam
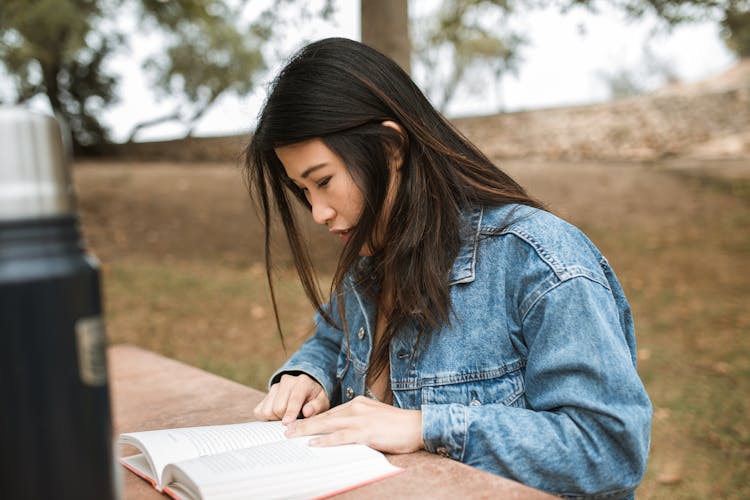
column 553, row 263
column 560, row 273
column 534, row 298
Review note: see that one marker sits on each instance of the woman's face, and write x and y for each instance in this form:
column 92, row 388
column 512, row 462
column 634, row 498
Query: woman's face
column 335, row 198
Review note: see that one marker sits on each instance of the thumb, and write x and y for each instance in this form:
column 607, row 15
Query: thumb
column 317, row 405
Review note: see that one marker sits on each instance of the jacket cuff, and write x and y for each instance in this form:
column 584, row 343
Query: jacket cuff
column 444, row 429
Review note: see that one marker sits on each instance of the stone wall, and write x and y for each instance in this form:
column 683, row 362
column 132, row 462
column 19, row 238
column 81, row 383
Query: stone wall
column 197, row 149
column 641, row 128
column 710, row 119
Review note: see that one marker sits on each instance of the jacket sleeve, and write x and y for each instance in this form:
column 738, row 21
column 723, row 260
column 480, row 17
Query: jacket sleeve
column 317, row 357
column 585, row 427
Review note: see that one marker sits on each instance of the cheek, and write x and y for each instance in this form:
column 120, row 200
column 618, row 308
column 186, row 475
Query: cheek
column 356, row 202
column 353, row 198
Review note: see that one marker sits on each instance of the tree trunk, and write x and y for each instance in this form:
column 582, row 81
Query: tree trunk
column 385, row 27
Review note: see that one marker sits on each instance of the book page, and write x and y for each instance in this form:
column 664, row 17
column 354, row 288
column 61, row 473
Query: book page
column 139, row 465
column 166, row 446
column 288, row 469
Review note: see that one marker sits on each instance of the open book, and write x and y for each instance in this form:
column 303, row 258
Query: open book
column 249, row 460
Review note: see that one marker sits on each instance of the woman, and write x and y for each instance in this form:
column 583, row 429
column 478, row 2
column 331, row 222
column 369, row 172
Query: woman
column 463, row 318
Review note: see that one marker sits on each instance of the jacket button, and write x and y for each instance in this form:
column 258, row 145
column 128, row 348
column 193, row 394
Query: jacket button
column 442, row 451
column 361, row 333
column 349, row 393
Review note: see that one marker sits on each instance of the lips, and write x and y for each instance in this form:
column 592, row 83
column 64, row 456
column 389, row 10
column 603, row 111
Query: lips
column 343, row 234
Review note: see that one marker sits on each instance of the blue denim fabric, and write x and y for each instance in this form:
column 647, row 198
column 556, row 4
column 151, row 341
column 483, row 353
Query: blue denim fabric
column 534, row 378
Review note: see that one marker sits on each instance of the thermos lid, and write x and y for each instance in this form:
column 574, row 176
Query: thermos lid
column 34, row 168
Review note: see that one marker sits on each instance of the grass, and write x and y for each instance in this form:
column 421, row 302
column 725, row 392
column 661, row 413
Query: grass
column 679, row 244
column 690, row 306
column 233, row 334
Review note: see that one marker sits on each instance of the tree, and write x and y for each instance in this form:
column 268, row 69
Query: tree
column 650, row 72
column 735, row 25
column 385, row 27
column 732, row 15
column 206, row 55
column 475, row 37
column 60, row 56
column 60, row 48
column 452, row 36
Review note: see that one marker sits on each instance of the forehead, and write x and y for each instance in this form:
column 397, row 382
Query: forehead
column 300, row 156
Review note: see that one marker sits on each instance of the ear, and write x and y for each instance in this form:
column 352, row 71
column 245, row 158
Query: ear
column 397, row 156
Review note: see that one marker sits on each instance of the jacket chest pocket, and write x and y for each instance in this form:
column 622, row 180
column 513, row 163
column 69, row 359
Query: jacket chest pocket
column 477, row 389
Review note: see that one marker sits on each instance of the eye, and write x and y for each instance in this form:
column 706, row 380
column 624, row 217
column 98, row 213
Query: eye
column 299, row 190
column 324, row 181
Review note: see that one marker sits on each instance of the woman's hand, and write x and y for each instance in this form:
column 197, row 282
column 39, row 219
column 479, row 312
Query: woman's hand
column 291, row 395
column 364, row 421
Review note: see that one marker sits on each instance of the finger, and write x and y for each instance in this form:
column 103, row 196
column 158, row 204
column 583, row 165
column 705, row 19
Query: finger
column 267, row 409
column 358, row 404
column 258, row 407
column 319, row 424
column 336, row 410
column 346, row 436
column 263, row 410
column 297, row 398
column 317, row 405
column 281, row 401
column 344, row 410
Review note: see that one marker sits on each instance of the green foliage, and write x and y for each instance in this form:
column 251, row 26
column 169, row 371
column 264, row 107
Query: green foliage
column 205, row 55
column 50, row 47
column 733, row 16
column 649, row 73
column 473, row 36
column 60, row 49
column 736, row 27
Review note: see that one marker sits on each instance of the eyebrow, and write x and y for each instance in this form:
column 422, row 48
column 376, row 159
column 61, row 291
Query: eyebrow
column 312, row 169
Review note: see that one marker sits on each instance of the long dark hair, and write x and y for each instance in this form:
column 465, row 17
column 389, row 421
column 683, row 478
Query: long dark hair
column 341, row 91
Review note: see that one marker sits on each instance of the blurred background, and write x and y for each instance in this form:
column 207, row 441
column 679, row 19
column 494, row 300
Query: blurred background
column 630, row 118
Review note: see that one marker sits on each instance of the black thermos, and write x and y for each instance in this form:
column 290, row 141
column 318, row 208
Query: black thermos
column 55, row 426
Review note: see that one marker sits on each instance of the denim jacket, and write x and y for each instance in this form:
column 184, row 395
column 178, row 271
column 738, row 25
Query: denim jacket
column 534, row 378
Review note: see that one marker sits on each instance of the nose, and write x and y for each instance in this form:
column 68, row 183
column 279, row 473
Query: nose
column 322, row 212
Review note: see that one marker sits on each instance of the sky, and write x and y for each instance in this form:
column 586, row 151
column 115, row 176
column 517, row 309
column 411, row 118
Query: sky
column 563, row 64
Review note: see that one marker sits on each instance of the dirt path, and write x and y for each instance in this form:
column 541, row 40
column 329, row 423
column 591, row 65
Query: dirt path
column 200, row 211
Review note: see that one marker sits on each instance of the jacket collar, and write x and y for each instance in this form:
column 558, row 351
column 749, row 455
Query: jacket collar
column 463, row 270
column 464, row 265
